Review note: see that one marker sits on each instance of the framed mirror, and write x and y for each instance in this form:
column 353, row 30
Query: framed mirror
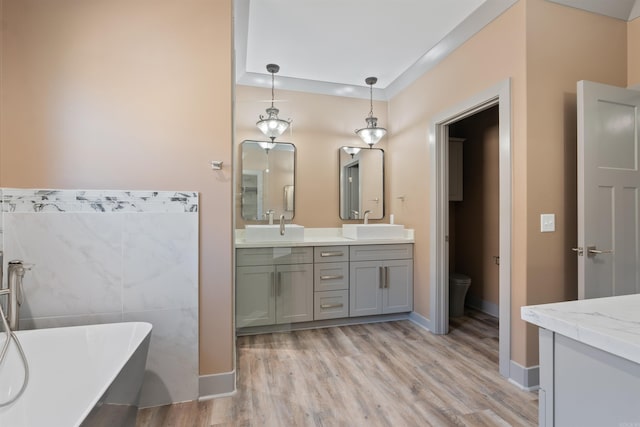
column 361, row 182
column 268, row 180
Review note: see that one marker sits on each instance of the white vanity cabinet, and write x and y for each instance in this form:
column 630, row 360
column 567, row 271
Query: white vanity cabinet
column 331, row 282
column 274, row 286
column 380, row 279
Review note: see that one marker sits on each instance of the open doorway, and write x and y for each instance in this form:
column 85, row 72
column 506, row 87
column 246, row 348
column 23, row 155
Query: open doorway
column 474, row 230
column 474, row 244
column 498, row 96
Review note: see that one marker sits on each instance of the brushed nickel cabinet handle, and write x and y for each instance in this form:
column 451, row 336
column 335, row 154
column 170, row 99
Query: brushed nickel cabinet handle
column 324, row 306
column 331, row 277
column 279, row 283
column 386, row 277
column 381, row 277
column 273, row 283
column 327, row 254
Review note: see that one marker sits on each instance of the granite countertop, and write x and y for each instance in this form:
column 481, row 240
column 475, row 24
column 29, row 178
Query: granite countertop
column 321, row 237
column 610, row 324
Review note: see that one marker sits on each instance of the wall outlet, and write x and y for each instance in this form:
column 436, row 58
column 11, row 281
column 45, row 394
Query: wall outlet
column 547, row 223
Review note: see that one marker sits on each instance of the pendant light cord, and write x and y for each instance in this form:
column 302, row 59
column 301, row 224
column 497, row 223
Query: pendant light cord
column 371, row 100
column 272, row 88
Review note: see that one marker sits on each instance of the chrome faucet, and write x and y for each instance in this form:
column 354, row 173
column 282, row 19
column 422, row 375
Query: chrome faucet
column 282, row 225
column 269, row 215
column 15, row 270
column 15, row 274
column 366, row 217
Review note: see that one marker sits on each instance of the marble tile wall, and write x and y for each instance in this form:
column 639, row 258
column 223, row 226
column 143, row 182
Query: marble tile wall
column 112, row 256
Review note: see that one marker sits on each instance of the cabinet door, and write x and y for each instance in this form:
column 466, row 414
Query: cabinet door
column 398, row 290
column 294, row 293
column 365, row 294
column 255, row 296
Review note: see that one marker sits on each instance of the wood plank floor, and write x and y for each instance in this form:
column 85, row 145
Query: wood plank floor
column 382, row 374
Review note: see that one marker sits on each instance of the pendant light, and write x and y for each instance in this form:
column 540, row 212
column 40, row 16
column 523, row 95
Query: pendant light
column 372, row 133
column 267, row 146
column 351, row 150
column 272, row 126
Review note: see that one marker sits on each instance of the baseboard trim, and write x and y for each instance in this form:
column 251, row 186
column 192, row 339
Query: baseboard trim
column 217, row 385
column 343, row 321
column 525, row 378
column 420, row 320
column 486, row 307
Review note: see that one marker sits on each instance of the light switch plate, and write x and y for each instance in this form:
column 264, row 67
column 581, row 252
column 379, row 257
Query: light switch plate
column 547, row 223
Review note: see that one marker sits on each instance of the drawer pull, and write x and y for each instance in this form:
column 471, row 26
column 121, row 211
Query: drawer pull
column 325, row 306
column 331, row 277
column 327, row 254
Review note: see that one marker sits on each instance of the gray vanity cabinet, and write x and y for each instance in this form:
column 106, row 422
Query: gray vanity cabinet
column 255, row 296
column 331, row 282
column 381, row 279
column 274, row 286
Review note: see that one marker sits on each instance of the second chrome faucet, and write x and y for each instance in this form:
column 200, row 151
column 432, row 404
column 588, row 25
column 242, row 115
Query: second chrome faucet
column 366, row 217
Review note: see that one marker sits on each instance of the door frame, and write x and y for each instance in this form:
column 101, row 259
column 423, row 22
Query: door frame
column 500, row 95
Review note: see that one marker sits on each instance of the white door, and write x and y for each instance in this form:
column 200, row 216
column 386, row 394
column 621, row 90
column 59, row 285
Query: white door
column 608, row 191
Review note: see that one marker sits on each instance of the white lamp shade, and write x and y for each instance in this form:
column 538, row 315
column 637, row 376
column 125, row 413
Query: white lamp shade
column 272, row 127
column 371, row 135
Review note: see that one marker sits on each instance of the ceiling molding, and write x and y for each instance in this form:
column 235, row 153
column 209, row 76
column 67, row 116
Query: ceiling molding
column 488, row 11
column 625, row 10
column 477, row 20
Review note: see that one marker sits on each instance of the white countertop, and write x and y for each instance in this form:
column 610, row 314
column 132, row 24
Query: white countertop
column 321, row 237
column 610, row 324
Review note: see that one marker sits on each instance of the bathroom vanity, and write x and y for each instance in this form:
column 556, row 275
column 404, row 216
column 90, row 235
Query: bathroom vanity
column 324, row 277
column 589, row 361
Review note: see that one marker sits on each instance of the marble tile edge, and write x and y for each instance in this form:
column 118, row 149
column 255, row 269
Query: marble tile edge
column 14, row 200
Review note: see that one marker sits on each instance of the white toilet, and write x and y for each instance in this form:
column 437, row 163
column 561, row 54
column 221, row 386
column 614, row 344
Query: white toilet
column 458, row 287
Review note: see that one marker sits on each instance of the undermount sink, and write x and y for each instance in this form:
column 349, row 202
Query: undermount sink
column 372, row 231
column 271, row 233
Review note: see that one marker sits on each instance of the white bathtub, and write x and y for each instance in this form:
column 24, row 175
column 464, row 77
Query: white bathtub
column 76, row 374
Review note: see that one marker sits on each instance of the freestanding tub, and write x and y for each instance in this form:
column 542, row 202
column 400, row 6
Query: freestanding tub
column 78, row 376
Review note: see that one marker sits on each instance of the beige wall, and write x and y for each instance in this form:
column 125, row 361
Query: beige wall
column 545, row 49
column 494, row 54
column 592, row 47
column 321, row 125
column 476, row 221
column 125, row 94
column 633, row 52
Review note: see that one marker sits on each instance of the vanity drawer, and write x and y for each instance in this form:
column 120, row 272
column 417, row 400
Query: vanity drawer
column 331, row 276
column 330, row 305
column 276, row 255
column 381, row 252
column 330, row 253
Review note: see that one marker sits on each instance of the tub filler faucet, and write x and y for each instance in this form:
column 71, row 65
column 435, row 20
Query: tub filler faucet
column 13, row 291
column 9, row 321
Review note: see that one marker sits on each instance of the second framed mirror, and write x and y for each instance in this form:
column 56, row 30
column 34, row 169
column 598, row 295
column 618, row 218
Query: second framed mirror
column 361, row 182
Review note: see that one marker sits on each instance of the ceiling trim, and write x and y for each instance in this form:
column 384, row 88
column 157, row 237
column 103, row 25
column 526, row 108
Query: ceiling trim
column 477, row 20
column 480, row 18
column 627, row 10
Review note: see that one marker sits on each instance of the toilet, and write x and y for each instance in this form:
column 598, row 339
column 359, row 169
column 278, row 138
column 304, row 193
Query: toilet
column 458, row 286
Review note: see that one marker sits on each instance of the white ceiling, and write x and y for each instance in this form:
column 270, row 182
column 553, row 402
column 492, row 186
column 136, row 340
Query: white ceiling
column 331, row 46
